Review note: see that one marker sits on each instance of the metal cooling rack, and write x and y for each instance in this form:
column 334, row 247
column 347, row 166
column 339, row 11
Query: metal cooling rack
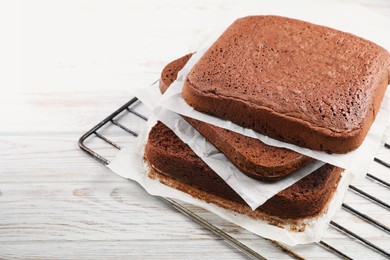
column 129, row 108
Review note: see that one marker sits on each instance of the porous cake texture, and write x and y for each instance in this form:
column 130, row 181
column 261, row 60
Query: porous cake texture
column 294, row 81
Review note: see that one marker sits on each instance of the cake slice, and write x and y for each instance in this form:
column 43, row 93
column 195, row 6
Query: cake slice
column 176, row 165
column 254, row 158
column 294, row 81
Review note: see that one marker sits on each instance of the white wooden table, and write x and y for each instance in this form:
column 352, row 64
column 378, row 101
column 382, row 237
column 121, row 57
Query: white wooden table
column 79, row 59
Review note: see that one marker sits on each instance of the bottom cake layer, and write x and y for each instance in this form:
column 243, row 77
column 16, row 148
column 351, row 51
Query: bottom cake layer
column 295, row 225
column 175, row 160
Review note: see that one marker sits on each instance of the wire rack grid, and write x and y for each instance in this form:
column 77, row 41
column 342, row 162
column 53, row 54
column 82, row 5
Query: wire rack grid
column 129, row 107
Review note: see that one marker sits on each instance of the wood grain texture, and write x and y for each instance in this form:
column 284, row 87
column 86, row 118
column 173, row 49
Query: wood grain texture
column 80, row 60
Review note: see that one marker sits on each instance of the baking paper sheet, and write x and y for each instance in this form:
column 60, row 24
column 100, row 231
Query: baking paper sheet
column 129, row 164
column 254, row 192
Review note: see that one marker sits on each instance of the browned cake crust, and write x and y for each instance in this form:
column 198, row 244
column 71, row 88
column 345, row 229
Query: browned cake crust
column 169, row 72
column 251, row 156
column 294, row 81
column 169, row 156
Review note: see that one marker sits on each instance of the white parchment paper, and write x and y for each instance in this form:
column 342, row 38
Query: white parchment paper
column 254, row 192
column 129, row 164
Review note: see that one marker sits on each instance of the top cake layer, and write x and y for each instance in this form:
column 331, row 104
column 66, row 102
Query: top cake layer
column 273, row 73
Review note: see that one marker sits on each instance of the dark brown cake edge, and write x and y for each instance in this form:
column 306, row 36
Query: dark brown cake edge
column 296, row 225
column 167, row 74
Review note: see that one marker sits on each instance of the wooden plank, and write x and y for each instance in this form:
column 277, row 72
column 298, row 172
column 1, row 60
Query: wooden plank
column 117, row 249
column 99, row 212
column 58, row 113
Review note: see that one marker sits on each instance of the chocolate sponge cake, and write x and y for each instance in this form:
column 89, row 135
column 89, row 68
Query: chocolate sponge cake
column 175, row 164
column 170, row 71
column 251, row 156
column 294, row 81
